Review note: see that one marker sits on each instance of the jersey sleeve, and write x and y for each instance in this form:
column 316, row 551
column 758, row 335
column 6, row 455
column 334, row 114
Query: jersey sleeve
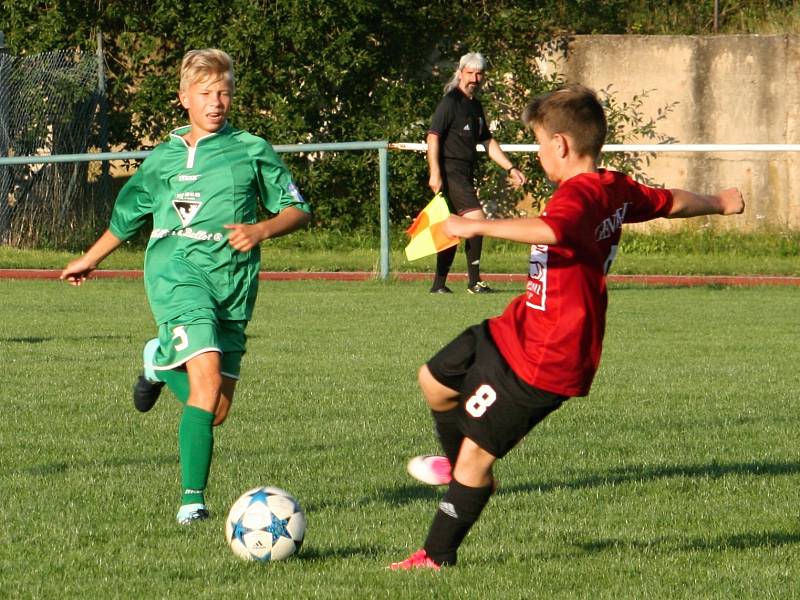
column 134, row 202
column 567, row 215
column 442, row 117
column 651, row 203
column 276, row 187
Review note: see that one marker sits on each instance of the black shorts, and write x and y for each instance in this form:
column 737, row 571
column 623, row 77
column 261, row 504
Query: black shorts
column 458, row 186
column 497, row 408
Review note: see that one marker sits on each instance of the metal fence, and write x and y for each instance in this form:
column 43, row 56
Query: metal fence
column 383, row 147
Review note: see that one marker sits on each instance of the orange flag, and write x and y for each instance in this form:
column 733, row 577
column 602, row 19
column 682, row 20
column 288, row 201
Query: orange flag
column 426, row 232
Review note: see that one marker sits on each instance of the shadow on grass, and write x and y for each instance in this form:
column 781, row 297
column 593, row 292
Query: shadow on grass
column 738, row 541
column 395, row 496
column 57, row 468
column 640, row 474
column 310, row 553
column 74, row 338
column 411, row 493
column 406, row 494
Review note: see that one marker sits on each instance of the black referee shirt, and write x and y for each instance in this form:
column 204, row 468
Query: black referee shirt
column 461, row 125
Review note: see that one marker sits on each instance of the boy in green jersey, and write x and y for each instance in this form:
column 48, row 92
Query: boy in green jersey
column 201, row 188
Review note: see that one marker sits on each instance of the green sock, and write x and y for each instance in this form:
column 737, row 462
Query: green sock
column 177, row 381
column 196, row 441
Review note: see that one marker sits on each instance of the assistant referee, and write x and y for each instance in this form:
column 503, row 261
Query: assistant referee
column 458, row 125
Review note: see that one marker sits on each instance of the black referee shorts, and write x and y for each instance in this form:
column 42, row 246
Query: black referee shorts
column 497, row 408
column 458, row 186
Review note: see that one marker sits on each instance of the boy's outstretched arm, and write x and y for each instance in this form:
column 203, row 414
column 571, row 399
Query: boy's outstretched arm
column 689, row 204
column 243, row 237
column 76, row 271
column 530, row 230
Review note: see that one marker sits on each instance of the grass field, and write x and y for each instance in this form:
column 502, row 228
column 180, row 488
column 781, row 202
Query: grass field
column 676, row 478
column 690, row 252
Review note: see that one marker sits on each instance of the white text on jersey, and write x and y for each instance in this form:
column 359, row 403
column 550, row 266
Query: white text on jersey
column 611, row 224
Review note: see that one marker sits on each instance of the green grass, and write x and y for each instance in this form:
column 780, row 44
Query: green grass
column 682, row 253
column 676, row 478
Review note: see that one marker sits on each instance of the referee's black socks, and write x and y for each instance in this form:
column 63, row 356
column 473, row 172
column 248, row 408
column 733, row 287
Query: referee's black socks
column 473, row 248
column 458, row 511
column 444, row 260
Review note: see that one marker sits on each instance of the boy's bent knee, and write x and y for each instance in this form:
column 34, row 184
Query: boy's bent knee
column 439, row 397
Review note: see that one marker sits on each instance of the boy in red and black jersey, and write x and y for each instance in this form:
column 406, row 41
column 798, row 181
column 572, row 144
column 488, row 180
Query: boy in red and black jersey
column 492, row 384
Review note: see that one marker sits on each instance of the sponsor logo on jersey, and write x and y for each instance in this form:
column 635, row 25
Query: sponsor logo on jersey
column 186, row 205
column 188, row 177
column 201, row 235
column 537, row 277
column 612, row 224
column 295, row 193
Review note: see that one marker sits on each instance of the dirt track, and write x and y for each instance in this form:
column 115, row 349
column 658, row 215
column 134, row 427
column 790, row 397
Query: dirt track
column 655, row 280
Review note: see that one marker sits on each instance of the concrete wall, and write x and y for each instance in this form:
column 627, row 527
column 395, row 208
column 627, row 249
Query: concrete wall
column 739, row 89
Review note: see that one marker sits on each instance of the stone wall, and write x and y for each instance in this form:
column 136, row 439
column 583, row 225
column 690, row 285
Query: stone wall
column 739, row 89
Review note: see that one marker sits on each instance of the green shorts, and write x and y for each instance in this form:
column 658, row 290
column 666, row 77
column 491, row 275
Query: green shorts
column 196, row 332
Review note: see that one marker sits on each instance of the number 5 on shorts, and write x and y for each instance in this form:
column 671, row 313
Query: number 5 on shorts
column 179, row 333
column 481, row 400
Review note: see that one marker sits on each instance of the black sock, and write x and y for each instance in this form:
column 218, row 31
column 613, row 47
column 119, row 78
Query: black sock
column 472, row 248
column 444, row 260
column 450, row 436
column 458, row 511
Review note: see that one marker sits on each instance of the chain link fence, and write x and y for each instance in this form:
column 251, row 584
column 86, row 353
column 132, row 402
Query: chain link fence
column 49, row 106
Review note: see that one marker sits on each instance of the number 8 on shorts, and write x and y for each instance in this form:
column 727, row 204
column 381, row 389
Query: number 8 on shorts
column 481, row 400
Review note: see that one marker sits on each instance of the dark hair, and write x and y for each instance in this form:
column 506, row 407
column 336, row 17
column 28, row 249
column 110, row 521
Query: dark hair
column 573, row 110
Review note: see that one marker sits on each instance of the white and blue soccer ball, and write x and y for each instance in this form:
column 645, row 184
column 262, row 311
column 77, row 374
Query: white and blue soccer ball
column 264, row 524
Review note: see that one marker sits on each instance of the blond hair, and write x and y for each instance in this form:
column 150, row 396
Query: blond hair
column 200, row 65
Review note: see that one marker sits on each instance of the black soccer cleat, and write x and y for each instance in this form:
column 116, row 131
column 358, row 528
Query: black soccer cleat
column 480, row 287
column 145, row 393
column 441, row 290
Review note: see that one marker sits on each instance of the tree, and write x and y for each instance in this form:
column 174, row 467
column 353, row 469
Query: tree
column 319, row 71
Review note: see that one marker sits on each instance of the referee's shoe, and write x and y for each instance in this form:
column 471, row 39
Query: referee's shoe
column 480, row 287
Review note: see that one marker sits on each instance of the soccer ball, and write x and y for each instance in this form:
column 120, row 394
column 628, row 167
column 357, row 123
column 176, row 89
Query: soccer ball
column 264, row 524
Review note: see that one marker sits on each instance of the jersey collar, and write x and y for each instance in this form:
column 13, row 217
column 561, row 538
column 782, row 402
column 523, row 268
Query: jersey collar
column 179, row 132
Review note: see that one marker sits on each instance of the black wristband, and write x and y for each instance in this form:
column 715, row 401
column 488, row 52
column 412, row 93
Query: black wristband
column 511, row 168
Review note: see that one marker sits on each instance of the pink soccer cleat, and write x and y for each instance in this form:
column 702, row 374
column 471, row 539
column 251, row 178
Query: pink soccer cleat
column 433, row 470
column 418, row 560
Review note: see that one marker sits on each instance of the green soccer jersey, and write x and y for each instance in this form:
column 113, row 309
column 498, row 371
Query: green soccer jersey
column 191, row 193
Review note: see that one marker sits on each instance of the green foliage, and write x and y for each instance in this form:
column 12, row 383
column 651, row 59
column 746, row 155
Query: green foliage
column 693, row 18
column 627, row 123
column 311, row 71
column 709, row 242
